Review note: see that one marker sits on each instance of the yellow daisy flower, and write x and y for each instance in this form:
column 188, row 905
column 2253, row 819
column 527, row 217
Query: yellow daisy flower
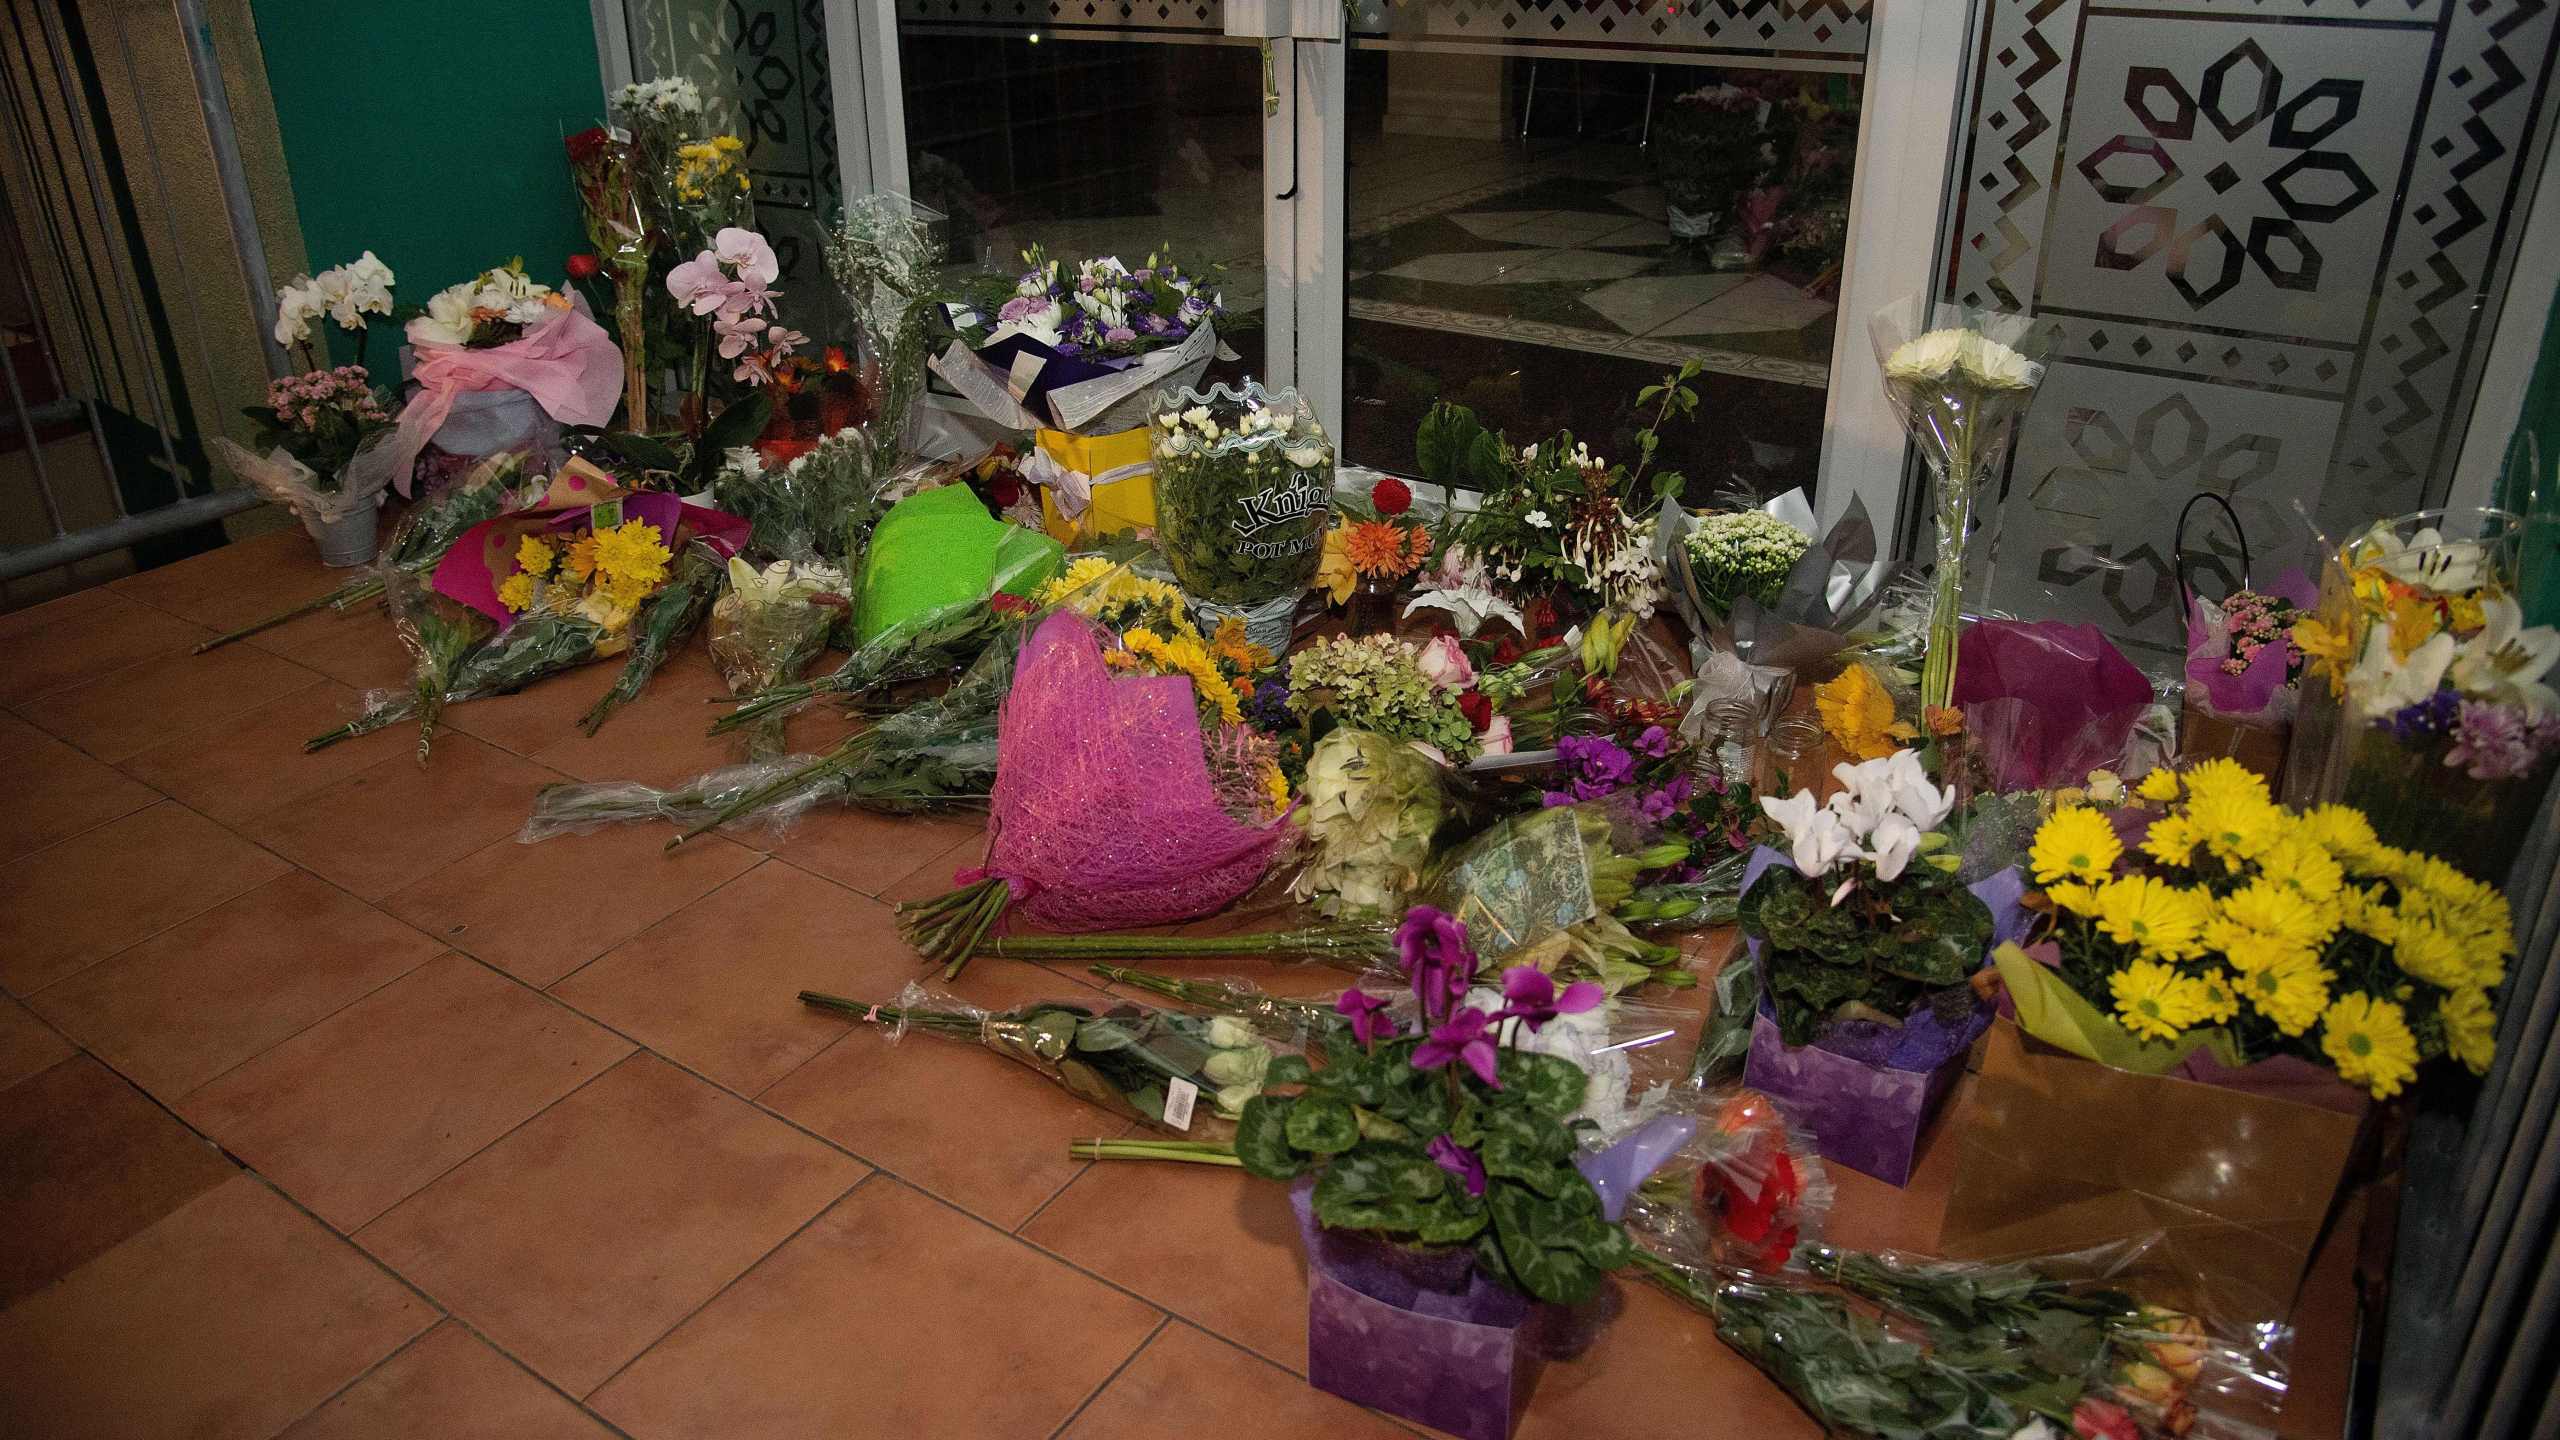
column 1185, row 656
column 2224, row 777
column 2171, row 840
column 2470, row 1029
column 2431, row 955
column 2234, row 825
column 2343, row 829
column 2264, row 916
column 2161, row 785
column 2370, row 1043
column 2072, row 896
column 1231, row 647
column 533, row 557
column 580, row 563
column 2221, row 998
column 516, row 592
column 2159, row 918
column 2291, row 991
column 2076, row 844
column 2155, row 1001
column 2367, row 911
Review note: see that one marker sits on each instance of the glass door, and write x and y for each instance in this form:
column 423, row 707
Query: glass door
column 1550, row 204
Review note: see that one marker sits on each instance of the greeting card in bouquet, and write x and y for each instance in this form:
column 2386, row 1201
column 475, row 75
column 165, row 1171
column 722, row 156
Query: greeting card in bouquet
column 1866, row 1089
column 2240, row 1168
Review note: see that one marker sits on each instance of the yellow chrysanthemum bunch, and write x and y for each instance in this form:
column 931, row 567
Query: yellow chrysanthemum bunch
column 1185, row 655
column 1857, row 713
column 2298, row 933
column 1120, row 598
column 604, row 574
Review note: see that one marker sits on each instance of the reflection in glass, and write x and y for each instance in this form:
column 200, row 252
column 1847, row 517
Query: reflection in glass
column 1539, row 237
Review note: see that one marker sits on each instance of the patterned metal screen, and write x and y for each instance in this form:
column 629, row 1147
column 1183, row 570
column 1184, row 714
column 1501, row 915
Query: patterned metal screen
column 1810, row 34
column 2268, row 241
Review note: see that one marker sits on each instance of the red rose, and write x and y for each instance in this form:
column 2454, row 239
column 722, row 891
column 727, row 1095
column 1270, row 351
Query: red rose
column 1391, row 496
column 1004, row 488
column 587, row 144
column 1477, row 709
column 584, row 266
column 2095, row 1419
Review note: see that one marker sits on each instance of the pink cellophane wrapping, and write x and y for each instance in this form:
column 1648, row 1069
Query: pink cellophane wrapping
column 1105, row 816
column 2258, row 691
column 2044, row 701
column 565, row 361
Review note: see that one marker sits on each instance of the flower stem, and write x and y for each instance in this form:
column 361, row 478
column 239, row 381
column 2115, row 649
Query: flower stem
column 1189, row 1152
column 1954, row 516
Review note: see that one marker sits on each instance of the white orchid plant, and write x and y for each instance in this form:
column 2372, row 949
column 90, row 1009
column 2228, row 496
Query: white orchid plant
column 345, row 294
column 488, row 309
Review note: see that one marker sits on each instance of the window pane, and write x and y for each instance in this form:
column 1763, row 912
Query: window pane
column 2268, row 250
column 1090, row 146
column 1539, row 230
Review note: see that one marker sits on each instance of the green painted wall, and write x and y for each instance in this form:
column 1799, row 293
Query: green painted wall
column 430, row 133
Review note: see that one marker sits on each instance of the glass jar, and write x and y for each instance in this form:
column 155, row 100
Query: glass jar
column 1791, row 740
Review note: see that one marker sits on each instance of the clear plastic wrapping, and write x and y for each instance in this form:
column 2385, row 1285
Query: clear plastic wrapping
column 1179, row 1073
column 768, row 627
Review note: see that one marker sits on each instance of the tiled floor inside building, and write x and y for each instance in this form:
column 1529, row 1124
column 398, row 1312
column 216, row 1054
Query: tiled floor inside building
column 327, row 1109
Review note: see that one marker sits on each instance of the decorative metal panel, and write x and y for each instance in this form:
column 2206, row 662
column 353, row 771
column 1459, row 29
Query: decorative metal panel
column 1773, row 33
column 1014, row 17
column 2266, row 238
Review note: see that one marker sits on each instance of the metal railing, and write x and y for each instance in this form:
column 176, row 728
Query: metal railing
column 95, row 350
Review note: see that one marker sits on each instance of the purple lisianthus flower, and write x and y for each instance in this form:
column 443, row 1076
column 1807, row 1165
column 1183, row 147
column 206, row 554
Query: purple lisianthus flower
column 1553, row 798
column 1598, row 765
column 1437, row 961
column 1467, row 1037
column 1118, row 335
column 1194, row 310
column 2491, row 742
column 1153, row 324
column 1368, row 1016
column 1529, row 996
column 1459, row 1161
column 1017, row 307
column 1655, row 741
column 2427, row 719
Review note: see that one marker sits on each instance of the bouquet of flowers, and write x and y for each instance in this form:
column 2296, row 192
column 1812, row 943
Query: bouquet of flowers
column 730, row 284
column 313, row 424
column 1143, row 1064
column 1711, row 151
column 696, row 183
column 505, row 340
column 613, row 195
column 1959, row 379
column 2232, row 922
column 1077, row 348
column 2242, row 669
column 1380, row 684
column 1903, row 1348
column 1743, row 552
column 1244, row 486
column 546, row 589
column 880, row 255
column 1107, row 812
column 1655, row 786
column 2452, row 725
column 769, row 625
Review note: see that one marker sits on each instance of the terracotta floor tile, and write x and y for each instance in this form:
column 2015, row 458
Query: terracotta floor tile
column 60, row 644
column 585, row 1234
column 225, row 1321
column 1655, row 1357
column 357, row 647
column 356, row 1113
column 253, row 762
column 449, row 1386
column 240, row 583
column 119, row 715
column 862, row 1093
column 940, row 873
column 85, row 1161
column 1216, row 1247
column 385, row 826
column 541, row 714
column 28, row 1046
column 870, row 852
column 892, row 1315
column 64, row 909
column 716, row 985
column 195, row 1000
column 541, row 911
column 663, row 738
column 54, row 791
column 1184, row 1377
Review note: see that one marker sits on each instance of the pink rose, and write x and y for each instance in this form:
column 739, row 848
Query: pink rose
column 1496, row 739
column 1445, row 665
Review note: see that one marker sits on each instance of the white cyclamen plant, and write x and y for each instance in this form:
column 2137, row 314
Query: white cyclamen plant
column 1887, row 813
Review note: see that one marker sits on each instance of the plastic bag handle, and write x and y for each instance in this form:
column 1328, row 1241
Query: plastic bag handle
column 2178, row 545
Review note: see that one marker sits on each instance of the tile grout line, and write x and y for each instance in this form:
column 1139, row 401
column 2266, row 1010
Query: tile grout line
column 1261, row 1359
column 1032, row 1245
column 636, row 936
column 1113, row 1378
column 725, row 1286
column 190, row 918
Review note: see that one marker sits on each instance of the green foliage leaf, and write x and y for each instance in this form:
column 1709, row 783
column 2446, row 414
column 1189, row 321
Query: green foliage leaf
column 1532, row 1231
column 1262, row 1138
column 1380, row 1185
column 1287, row 1070
column 1528, row 1146
column 1322, row 1126
column 1543, row 1082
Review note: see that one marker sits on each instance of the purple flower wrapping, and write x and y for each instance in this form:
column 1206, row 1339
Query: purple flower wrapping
column 1865, row 1089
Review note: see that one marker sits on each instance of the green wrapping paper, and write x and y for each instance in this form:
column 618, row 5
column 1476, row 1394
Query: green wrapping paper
column 942, row 548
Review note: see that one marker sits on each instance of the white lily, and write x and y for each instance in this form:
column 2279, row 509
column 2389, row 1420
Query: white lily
column 2381, row 684
column 2427, row 559
column 2506, row 661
